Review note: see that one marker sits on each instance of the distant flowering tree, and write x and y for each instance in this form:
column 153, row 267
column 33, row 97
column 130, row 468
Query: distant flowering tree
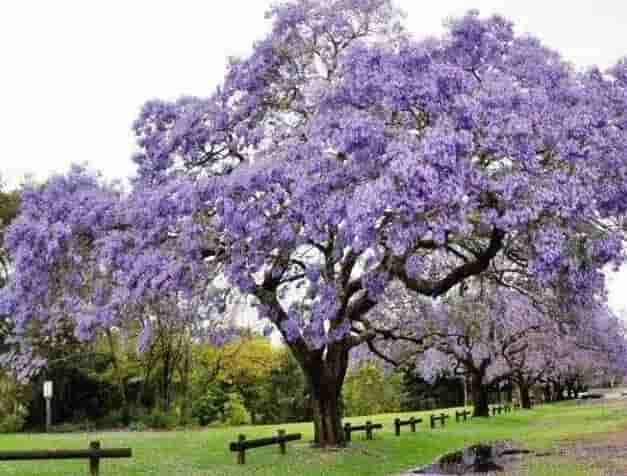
column 505, row 336
column 341, row 157
column 484, row 336
column 593, row 352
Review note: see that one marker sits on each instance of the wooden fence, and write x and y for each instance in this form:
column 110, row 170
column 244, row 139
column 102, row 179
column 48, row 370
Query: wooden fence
column 242, row 444
column 94, row 454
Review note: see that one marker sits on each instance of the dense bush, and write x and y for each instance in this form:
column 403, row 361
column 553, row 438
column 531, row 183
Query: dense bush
column 112, row 420
column 12, row 423
column 368, row 391
column 210, row 406
column 235, row 412
column 84, row 426
column 137, row 426
column 160, row 420
column 284, row 395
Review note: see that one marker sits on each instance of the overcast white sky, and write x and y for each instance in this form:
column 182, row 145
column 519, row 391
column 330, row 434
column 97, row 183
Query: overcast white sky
column 74, row 73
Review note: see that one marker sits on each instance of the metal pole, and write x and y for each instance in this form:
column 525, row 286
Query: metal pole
column 48, row 414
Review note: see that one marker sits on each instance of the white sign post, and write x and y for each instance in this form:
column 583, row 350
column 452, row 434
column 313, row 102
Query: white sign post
column 48, row 397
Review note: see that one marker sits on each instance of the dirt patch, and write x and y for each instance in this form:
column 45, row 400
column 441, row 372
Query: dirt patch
column 606, row 453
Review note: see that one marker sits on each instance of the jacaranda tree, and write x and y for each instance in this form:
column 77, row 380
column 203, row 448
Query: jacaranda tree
column 478, row 336
column 505, row 336
column 342, row 155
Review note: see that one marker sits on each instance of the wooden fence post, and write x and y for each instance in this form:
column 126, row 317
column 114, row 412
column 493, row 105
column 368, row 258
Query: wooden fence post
column 241, row 454
column 347, row 432
column 412, row 423
column 94, row 461
column 282, row 445
column 369, row 430
column 397, row 426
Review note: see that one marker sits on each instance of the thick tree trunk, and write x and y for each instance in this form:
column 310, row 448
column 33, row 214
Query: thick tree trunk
column 325, row 372
column 328, row 430
column 547, row 393
column 558, row 392
column 480, row 397
column 509, row 393
column 525, row 397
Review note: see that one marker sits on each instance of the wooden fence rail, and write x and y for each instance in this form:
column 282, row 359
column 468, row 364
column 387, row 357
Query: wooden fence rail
column 94, row 454
column 465, row 414
column 442, row 419
column 496, row 409
column 242, row 444
column 412, row 422
column 369, row 427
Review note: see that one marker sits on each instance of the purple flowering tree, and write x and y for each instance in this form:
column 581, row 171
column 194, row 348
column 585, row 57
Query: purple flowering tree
column 340, row 158
column 483, row 335
column 593, row 352
column 506, row 336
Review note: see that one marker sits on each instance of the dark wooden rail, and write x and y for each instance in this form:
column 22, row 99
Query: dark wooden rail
column 242, row 444
column 465, row 414
column 442, row 419
column 412, row 422
column 496, row 409
column 94, row 454
column 368, row 428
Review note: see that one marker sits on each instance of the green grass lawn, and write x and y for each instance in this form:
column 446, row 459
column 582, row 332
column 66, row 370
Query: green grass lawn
column 206, row 452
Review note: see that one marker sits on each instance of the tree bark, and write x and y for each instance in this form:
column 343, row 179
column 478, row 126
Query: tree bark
column 480, row 396
column 328, row 430
column 525, row 397
column 325, row 372
column 547, row 393
column 508, row 393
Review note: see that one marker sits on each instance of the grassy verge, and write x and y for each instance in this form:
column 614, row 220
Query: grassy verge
column 196, row 453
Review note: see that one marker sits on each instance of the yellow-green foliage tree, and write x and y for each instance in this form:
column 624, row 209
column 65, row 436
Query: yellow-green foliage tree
column 241, row 367
column 368, row 391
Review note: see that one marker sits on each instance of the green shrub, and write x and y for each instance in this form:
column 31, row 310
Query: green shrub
column 113, row 419
column 160, row 420
column 137, row 426
column 369, row 391
column 208, row 408
column 84, row 426
column 12, row 424
column 235, row 412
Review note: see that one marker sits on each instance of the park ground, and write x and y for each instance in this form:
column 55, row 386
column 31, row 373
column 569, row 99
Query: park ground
column 580, row 439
